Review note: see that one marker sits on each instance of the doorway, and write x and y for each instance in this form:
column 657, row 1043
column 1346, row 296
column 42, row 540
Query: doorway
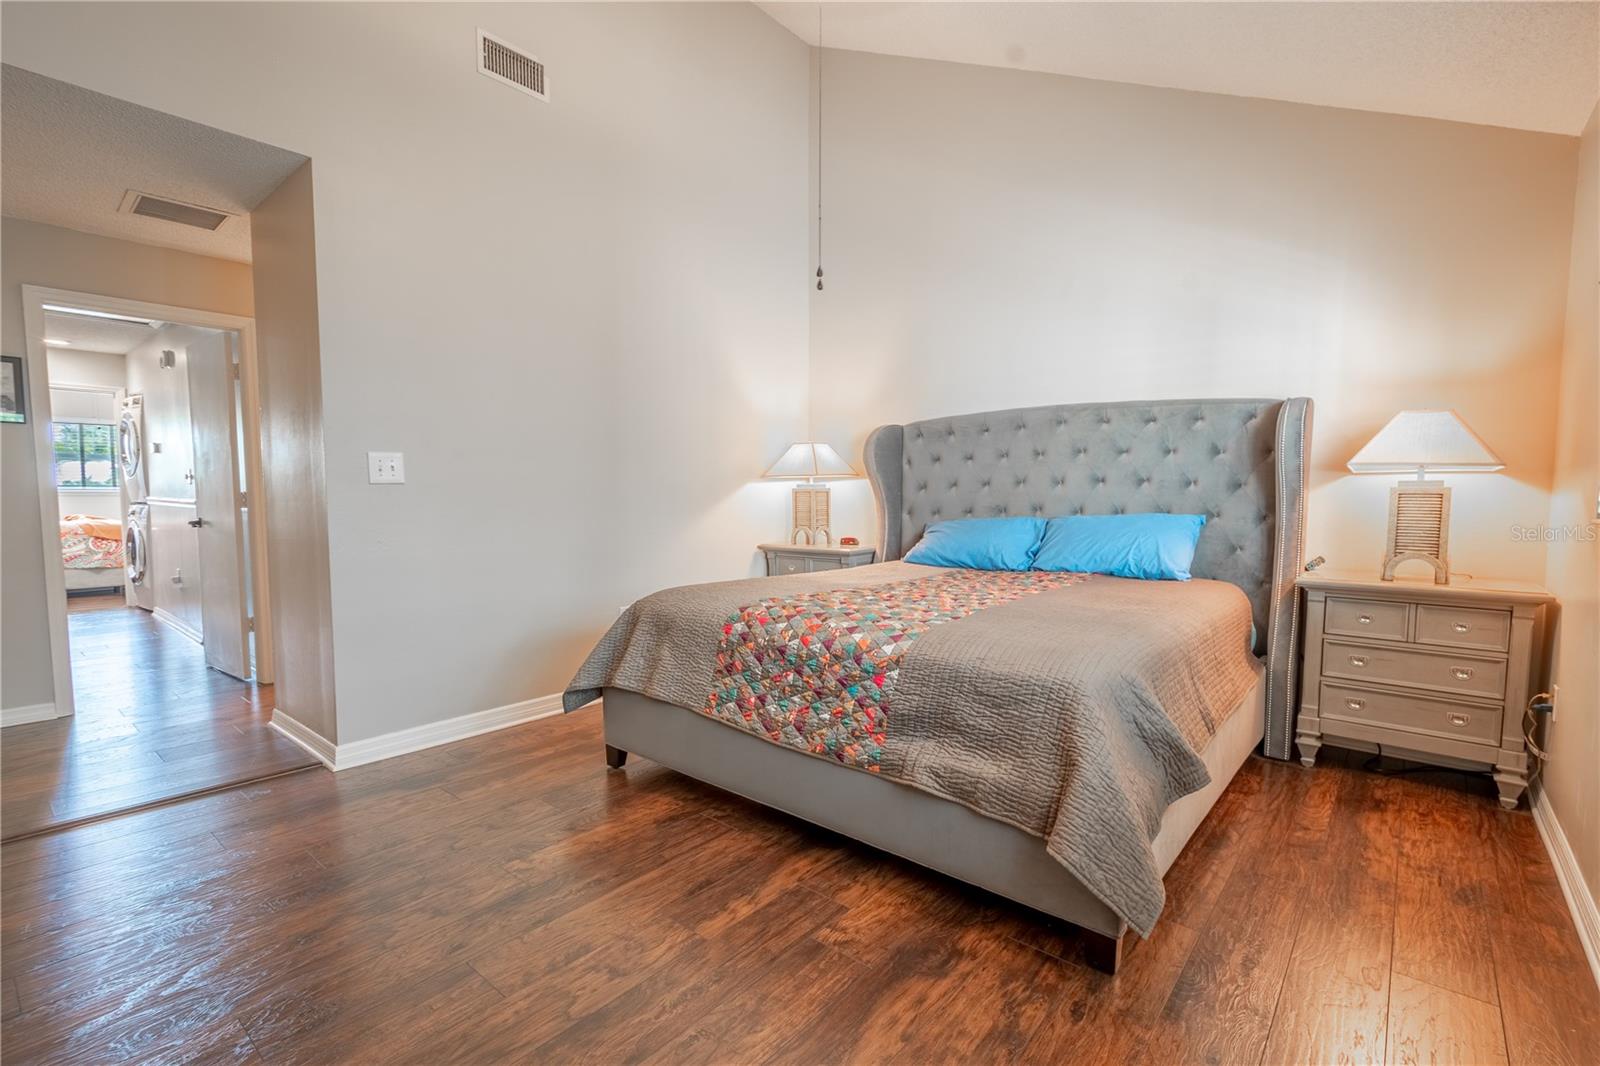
column 148, row 431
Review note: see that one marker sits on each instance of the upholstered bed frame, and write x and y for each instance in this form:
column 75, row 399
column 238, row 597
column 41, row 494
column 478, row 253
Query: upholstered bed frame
column 1241, row 462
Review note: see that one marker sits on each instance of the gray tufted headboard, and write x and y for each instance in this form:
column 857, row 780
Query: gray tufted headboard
column 1240, row 462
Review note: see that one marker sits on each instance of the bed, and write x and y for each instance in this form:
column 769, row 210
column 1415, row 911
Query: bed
column 91, row 553
column 1055, row 739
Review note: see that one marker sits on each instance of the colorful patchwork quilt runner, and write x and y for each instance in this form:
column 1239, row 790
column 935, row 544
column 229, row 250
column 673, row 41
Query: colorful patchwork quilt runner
column 817, row 671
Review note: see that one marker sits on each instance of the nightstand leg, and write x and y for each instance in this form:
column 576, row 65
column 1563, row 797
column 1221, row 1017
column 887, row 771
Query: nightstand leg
column 1512, row 784
column 1308, row 746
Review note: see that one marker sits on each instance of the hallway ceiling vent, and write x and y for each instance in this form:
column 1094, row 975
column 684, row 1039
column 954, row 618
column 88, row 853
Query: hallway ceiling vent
column 142, row 203
column 504, row 63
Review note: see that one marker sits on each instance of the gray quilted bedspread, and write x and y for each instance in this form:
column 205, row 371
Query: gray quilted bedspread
column 1075, row 712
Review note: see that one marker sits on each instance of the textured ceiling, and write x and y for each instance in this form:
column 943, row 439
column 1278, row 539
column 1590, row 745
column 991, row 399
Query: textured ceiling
column 1533, row 66
column 69, row 156
column 95, row 334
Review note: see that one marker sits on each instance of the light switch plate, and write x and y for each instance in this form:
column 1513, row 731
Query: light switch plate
column 386, row 468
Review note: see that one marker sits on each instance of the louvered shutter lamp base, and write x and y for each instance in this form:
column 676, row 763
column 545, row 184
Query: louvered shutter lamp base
column 810, row 515
column 1422, row 442
column 1419, row 528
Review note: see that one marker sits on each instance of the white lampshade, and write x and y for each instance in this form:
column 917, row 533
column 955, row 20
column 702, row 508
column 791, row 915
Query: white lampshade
column 810, row 460
column 1431, row 441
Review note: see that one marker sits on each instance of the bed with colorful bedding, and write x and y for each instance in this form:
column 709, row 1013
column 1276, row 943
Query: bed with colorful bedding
column 91, row 552
column 1052, row 737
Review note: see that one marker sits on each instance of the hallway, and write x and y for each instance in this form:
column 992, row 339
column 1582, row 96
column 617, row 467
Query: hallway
column 153, row 723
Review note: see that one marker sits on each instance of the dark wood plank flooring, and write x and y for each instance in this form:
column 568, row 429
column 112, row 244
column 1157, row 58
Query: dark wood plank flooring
column 152, row 723
column 507, row 899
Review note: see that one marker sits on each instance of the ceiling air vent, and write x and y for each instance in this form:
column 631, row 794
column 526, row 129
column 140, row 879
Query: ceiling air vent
column 142, row 203
column 504, row 63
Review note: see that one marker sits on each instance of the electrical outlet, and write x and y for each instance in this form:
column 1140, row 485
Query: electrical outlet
column 386, row 468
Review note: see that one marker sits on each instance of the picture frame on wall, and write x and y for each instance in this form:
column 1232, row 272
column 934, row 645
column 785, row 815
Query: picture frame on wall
column 13, row 394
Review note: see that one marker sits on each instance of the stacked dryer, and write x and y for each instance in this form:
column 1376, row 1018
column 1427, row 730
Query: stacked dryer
column 136, row 531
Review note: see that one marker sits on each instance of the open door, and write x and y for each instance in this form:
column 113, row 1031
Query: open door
column 224, row 577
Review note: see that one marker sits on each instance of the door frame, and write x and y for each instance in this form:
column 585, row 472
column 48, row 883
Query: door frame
column 34, row 297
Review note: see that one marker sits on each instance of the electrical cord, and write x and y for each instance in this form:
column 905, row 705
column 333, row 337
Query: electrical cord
column 1372, row 766
column 1529, row 723
column 1540, row 701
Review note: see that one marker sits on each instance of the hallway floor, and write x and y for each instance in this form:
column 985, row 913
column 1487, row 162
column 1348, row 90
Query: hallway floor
column 153, row 723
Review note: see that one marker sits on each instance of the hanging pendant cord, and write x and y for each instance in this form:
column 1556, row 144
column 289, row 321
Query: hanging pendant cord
column 819, row 147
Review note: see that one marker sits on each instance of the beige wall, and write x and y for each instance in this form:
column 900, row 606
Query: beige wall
column 998, row 238
column 1572, row 778
column 69, row 366
column 34, row 254
column 622, row 273
column 284, row 250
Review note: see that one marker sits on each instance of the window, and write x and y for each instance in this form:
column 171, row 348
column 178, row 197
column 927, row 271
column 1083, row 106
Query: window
column 85, row 455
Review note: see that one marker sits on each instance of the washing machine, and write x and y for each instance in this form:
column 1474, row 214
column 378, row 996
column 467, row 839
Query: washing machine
column 136, row 556
column 130, row 449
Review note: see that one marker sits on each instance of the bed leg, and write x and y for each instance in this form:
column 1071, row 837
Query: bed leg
column 1102, row 952
column 615, row 757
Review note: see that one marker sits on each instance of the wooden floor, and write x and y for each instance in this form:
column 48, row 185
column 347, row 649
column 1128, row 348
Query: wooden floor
column 506, row 899
column 152, row 722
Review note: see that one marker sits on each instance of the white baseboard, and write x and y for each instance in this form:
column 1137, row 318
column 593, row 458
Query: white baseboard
column 405, row 741
column 322, row 749
column 38, row 712
column 1580, row 901
column 168, row 618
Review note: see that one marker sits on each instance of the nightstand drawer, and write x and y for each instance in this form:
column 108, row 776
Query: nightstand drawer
column 811, row 559
column 1463, row 627
column 1465, row 675
column 789, row 564
column 1366, row 618
column 1416, row 714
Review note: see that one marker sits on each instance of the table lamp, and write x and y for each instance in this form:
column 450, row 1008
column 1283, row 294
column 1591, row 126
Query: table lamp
column 811, row 462
column 1422, row 442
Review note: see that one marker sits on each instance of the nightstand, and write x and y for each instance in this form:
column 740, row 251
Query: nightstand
column 1434, row 673
column 808, row 558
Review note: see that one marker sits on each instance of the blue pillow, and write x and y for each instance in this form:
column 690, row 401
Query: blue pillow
column 979, row 543
column 1149, row 546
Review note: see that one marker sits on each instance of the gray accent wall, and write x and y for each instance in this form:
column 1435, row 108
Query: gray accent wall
column 591, row 310
column 283, row 245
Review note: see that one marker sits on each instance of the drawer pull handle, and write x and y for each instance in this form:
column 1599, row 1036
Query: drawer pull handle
column 1364, row 619
column 1358, row 660
column 1462, row 627
column 1355, row 704
column 1461, row 673
column 1459, row 720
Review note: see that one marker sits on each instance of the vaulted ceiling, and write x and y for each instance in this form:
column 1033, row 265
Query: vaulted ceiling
column 1533, row 66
